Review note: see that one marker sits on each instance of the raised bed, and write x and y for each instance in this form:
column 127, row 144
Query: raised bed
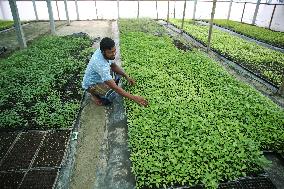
column 202, row 125
column 47, row 81
column 265, row 63
column 265, row 35
column 53, row 149
column 177, row 28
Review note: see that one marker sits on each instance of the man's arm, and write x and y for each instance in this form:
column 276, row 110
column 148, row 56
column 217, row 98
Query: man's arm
column 115, row 68
column 118, row 70
column 138, row 99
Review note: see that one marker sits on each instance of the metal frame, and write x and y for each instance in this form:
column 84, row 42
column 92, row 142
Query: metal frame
column 211, row 25
column 51, row 19
column 183, row 15
column 17, row 23
column 255, row 12
column 66, row 12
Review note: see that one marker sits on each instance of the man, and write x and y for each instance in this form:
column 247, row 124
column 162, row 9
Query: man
column 98, row 80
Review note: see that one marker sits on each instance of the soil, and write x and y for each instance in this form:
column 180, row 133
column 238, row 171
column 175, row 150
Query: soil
column 181, row 46
column 243, row 183
column 39, row 179
column 53, row 149
column 230, row 186
column 11, row 179
column 70, row 89
column 22, row 152
column 259, row 182
column 6, row 140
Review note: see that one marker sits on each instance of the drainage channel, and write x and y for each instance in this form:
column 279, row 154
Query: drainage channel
column 243, row 36
column 265, row 87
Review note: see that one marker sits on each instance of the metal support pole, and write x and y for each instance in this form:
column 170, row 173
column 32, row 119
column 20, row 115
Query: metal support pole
column 96, row 10
column 168, row 16
column 17, row 23
column 51, row 19
column 34, row 4
column 194, row 9
column 230, row 8
column 57, row 10
column 183, row 15
column 255, row 12
column 117, row 3
column 77, row 10
column 211, row 25
column 272, row 16
column 138, row 9
column 175, row 9
column 243, row 12
column 66, row 11
column 157, row 10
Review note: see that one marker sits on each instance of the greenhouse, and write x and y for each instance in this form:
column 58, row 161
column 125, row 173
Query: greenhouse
column 110, row 94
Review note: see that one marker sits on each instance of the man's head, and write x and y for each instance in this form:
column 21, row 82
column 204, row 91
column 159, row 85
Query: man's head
column 107, row 47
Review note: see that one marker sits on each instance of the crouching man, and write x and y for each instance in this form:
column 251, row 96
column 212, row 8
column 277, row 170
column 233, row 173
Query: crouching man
column 98, row 80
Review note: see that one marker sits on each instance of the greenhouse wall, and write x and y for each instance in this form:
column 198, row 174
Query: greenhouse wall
column 129, row 9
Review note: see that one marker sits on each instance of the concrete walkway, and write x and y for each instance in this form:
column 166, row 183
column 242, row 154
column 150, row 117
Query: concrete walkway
column 100, row 158
column 93, row 118
column 93, row 28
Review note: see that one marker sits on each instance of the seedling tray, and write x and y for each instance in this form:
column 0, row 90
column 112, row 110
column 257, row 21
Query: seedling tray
column 52, row 151
column 11, row 179
column 23, row 151
column 39, row 179
column 6, row 140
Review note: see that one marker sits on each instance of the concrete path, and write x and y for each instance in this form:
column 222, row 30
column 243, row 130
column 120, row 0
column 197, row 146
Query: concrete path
column 101, row 153
column 93, row 28
column 93, row 118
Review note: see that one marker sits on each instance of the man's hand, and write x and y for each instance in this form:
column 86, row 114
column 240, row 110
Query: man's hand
column 140, row 100
column 131, row 81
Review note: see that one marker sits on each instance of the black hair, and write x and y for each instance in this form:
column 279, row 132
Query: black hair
column 106, row 43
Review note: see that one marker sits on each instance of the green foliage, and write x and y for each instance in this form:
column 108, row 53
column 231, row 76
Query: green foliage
column 141, row 25
column 5, row 24
column 34, row 89
column 202, row 125
column 263, row 61
column 86, row 54
column 262, row 34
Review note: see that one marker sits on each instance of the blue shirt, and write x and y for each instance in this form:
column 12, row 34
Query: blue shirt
column 97, row 71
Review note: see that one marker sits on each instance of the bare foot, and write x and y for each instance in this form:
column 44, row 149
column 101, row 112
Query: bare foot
column 96, row 100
